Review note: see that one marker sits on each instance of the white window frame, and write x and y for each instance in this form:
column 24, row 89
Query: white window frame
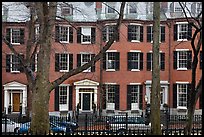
column 138, row 32
column 107, row 61
column 64, row 107
column 109, row 32
column 11, row 64
column 178, row 98
column 11, row 36
column 152, row 33
column 131, row 5
column 65, row 7
column 178, row 59
column 138, row 53
column 110, row 6
column 60, row 32
column 135, row 105
column 179, row 32
column 110, row 105
column 152, row 58
column 82, row 63
column 177, row 7
column 37, row 31
column 67, row 62
column 88, row 35
column 198, row 7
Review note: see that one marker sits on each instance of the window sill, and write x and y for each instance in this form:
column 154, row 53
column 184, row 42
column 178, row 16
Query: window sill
column 64, row 42
column 17, row 44
column 64, row 71
column 182, row 40
column 135, row 41
column 135, row 70
column 85, row 43
column 110, row 70
column 15, row 72
column 182, row 69
column 182, row 108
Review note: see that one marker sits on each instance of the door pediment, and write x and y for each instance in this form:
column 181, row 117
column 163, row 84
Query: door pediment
column 86, row 82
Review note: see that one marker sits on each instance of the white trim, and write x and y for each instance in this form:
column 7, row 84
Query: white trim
column 135, row 51
column 159, row 51
column 182, row 69
column 110, row 23
column 135, row 70
column 64, row 85
column 134, row 83
column 137, row 24
column 135, row 41
column 182, row 22
column 110, row 70
column 107, row 83
column 111, row 51
column 180, row 107
column 182, row 49
column 181, row 82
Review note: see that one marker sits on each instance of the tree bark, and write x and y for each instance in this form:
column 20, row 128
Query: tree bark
column 155, row 92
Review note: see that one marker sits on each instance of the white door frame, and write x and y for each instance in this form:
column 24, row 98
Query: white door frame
column 86, row 84
column 15, row 87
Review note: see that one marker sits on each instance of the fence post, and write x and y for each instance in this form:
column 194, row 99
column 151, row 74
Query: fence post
column 5, row 124
column 86, row 124
column 126, row 121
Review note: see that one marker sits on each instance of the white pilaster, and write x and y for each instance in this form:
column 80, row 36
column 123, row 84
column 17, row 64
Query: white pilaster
column 24, row 103
column 6, row 101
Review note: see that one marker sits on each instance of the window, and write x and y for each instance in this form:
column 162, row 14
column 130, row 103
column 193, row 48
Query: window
column 15, row 35
column 161, row 61
column 135, row 33
column 37, row 32
column 34, row 61
column 85, row 58
column 67, row 10
column 111, row 61
column 150, row 34
column 135, row 61
column 177, row 7
column 135, row 94
column 182, row 59
column 64, row 34
column 63, row 95
column 13, row 63
column 132, row 7
column 63, row 62
column 198, row 7
column 108, row 31
column 86, row 35
column 110, row 7
column 112, row 96
column 182, row 95
column 150, row 7
column 182, row 31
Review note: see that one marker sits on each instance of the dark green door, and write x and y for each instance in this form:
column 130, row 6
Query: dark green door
column 86, row 101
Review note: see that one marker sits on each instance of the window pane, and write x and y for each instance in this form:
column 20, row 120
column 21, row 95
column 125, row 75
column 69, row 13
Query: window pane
column 135, row 94
column 182, row 59
column 110, row 89
column 15, row 36
column 63, row 62
column 182, row 95
column 62, row 94
column 111, row 60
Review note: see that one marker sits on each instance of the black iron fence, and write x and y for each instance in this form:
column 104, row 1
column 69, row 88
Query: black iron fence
column 111, row 125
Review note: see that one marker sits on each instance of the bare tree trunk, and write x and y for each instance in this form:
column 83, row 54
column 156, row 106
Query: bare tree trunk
column 40, row 99
column 155, row 92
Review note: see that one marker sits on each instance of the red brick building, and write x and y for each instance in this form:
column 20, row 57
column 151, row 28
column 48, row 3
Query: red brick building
column 125, row 70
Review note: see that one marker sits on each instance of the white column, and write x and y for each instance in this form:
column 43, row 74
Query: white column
column 77, row 96
column 24, row 102
column 6, row 100
column 95, row 96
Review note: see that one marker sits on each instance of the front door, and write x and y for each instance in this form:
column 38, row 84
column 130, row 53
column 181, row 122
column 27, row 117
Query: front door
column 16, row 102
column 86, row 101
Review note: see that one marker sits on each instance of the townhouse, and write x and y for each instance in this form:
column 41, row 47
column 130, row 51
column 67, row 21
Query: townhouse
column 121, row 80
